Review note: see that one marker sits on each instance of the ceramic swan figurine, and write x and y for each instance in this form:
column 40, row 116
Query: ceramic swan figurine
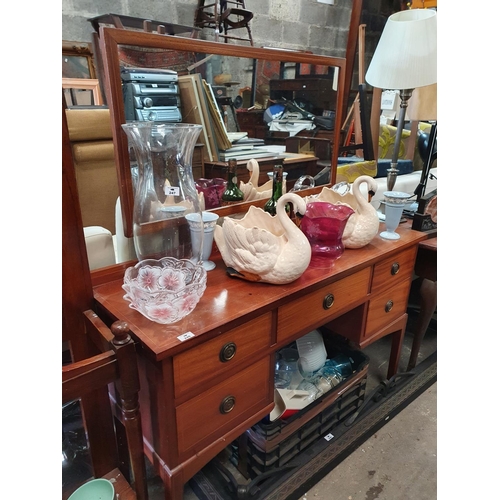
column 251, row 189
column 261, row 247
column 363, row 225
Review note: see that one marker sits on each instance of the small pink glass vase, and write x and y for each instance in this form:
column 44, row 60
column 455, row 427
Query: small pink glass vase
column 212, row 190
column 323, row 224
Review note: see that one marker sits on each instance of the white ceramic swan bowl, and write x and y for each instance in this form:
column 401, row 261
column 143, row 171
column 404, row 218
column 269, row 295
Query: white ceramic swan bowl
column 251, row 189
column 363, row 225
column 261, row 247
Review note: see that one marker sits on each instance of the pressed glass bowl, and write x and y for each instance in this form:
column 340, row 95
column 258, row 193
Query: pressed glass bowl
column 164, row 290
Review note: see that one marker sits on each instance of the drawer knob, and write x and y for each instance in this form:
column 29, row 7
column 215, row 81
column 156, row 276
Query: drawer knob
column 395, row 268
column 227, row 352
column 328, row 301
column 389, row 306
column 227, row 404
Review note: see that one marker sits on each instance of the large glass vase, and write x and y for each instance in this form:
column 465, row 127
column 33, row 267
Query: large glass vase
column 165, row 191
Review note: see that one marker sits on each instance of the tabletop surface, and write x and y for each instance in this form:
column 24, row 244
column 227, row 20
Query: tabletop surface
column 233, row 301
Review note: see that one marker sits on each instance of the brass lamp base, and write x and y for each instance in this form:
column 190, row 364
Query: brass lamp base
column 392, row 174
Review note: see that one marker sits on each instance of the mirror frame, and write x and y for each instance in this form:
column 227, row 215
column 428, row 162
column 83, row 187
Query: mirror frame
column 111, row 38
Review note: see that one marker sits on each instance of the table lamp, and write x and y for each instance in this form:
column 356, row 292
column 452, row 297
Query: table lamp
column 405, row 58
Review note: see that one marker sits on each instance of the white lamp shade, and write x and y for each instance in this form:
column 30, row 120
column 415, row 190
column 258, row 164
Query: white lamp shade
column 406, row 55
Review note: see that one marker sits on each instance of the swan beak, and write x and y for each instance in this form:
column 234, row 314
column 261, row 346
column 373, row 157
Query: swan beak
column 371, row 193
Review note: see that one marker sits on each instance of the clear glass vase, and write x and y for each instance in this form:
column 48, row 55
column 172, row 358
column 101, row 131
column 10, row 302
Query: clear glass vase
column 165, row 191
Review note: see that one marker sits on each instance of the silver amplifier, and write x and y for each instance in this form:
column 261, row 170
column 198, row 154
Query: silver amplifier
column 156, row 101
column 160, row 114
column 148, row 75
column 152, row 88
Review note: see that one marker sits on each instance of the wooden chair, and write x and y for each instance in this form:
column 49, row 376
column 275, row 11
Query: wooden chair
column 98, row 355
column 361, row 118
column 224, row 16
column 85, row 379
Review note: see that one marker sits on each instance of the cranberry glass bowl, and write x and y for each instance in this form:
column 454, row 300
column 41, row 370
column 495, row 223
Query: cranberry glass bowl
column 164, row 290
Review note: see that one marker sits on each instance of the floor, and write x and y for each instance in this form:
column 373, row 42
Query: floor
column 398, row 461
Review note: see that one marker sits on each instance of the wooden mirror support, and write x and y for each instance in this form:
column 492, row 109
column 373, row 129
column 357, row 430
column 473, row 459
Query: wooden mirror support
column 112, row 39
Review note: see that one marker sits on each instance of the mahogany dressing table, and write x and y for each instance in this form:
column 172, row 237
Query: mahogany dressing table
column 209, row 377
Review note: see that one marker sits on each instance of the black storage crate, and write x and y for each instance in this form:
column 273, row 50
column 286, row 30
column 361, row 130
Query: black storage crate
column 268, row 445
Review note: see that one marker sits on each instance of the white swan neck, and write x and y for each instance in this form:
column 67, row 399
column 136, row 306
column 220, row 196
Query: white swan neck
column 253, row 167
column 357, row 193
column 286, row 222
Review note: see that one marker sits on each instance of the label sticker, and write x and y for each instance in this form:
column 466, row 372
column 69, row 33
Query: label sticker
column 185, row 336
column 329, row 437
column 388, row 99
column 172, row 190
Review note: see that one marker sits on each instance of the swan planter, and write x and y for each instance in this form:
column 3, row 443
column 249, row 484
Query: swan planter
column 265, row 248
column 363, row 225
column 251, row 189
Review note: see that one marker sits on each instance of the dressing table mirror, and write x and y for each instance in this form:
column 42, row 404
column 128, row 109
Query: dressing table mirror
column 289, row 74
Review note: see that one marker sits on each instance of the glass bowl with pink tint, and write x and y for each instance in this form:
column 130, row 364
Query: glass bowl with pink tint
column 165, row 290
column 324, row 224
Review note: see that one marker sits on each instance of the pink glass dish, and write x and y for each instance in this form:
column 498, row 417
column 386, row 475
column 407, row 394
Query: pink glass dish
column 165, row 290
column 212, row 190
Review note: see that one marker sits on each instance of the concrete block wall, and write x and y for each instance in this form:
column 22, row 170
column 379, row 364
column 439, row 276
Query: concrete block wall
column 291, row 24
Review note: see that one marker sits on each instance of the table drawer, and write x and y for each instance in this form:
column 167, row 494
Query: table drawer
column 393, row 270
column 387, row 306
column 314, row 309
column 195, row 367
column 221, row 406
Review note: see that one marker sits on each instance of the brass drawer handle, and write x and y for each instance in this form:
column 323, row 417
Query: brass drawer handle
column 395, row 268
column 227, row 404
column 389, row 306
column 328, row 301
column 227, row 352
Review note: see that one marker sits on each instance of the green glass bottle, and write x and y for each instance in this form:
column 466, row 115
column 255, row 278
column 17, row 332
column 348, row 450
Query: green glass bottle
column 232, row 194
column 271, row 204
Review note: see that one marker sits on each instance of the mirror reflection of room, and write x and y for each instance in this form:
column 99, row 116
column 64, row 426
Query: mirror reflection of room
column 254, row 99
column 248, row 108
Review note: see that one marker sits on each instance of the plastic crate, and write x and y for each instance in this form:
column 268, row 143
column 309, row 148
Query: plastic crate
column 268, row 445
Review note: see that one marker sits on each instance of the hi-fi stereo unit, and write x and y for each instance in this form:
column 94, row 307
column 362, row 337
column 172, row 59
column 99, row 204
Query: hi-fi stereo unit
column 151, row 95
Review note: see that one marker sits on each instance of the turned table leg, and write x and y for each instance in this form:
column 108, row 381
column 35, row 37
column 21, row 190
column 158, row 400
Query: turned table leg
column 428, row 303
column 396, row 345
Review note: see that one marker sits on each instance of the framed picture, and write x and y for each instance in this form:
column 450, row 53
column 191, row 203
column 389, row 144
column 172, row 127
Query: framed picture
column 81, row 92
column 78, row 60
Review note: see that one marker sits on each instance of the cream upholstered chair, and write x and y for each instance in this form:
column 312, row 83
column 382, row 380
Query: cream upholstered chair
column 100, row 247
column 93, row 156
